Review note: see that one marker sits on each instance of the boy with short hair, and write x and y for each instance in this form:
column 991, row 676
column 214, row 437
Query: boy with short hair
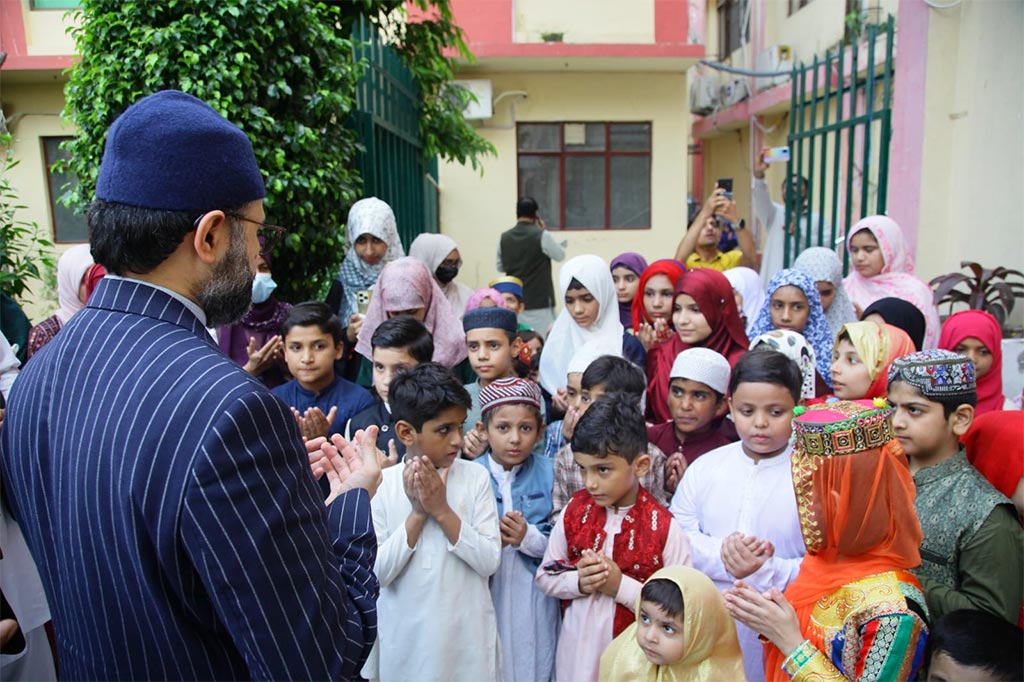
column 399, row 344
column 697, row 385
column 321, row 401
column 972, row 554
column 737, row 503
column 438, row 541
column 492, row 346
column 521, row 480
column 607, row 375
column 974, row 645
column 511, row 290
column 610, row 538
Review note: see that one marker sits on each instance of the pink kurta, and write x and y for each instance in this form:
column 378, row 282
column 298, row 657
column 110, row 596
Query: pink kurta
column 587, row 623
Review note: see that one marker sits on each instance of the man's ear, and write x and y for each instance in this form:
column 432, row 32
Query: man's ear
column 728, row 402
column 339, row 350
column 405, row 432
column 961, row 419
column 641, row 465
column 212, row 237
column 516, row 346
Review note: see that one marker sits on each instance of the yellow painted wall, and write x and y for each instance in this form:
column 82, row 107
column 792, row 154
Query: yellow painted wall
column 585, row 21
column 972, row 176
column 45, row 30
column 476, row 209
column 42, row 104
column 811, row 30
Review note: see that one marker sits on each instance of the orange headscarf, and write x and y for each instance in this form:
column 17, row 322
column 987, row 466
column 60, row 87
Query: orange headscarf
column 855, row 498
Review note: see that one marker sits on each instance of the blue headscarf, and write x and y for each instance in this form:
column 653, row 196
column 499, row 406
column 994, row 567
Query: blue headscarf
column 816, row 331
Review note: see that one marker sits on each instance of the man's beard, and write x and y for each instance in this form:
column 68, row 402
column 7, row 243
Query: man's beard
column 227, row 295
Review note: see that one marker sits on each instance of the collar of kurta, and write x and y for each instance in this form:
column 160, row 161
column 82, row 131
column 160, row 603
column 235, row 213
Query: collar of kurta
column 781, row 459
column 949, row 467
column 132, row 296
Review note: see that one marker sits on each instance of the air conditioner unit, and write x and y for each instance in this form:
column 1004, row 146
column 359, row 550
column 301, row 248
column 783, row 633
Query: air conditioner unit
column 734, row 91
column 481, row 108
column 704, row 95
column 775, row 58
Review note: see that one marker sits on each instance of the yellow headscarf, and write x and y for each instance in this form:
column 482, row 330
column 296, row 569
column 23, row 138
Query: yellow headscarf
column 877, row 345
column 712, row 651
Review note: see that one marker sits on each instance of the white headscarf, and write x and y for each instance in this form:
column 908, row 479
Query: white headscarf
column 373, row 217
column 823, row 265
column 71, row 268
column 566, row 337
column 748, row 283
column 432, row 249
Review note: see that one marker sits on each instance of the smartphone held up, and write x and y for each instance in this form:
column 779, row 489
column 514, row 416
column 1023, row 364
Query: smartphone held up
column 775, row 154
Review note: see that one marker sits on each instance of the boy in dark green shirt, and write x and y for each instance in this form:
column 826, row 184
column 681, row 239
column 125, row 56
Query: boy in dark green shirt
column 972, row 554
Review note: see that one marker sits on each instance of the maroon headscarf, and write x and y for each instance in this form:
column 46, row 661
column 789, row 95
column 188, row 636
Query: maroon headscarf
column 712, row 293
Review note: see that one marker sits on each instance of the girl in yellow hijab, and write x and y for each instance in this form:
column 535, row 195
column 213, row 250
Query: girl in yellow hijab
column 682, row 632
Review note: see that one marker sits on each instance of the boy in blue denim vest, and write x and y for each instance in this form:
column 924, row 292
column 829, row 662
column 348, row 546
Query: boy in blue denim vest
column 522, row 481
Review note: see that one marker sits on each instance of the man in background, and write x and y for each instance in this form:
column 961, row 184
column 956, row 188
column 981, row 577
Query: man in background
column 526, row 252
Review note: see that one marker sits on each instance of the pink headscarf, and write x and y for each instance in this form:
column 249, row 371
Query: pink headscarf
column 896, row 278
column 984, row 327
column 406, row 284
column 485, row 294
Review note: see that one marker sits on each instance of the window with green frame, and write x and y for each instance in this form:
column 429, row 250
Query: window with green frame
column 68, row 225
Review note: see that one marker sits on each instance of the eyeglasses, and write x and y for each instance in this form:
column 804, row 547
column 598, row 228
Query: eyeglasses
column 447, row 263
column 268, row 235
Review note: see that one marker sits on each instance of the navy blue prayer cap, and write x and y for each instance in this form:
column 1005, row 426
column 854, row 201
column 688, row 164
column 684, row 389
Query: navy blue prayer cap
column 171, row 151
column 490, row 318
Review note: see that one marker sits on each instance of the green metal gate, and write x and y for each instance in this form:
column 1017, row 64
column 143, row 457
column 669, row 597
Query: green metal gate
column 844, row 155
column 387, row 122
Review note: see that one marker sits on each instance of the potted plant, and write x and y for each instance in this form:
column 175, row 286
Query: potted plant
column 993, row 290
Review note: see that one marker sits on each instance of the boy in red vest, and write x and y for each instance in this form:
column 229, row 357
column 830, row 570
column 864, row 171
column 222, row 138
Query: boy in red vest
column 610, row 538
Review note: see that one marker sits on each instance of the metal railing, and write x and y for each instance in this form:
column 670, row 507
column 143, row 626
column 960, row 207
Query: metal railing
column 386, row 120
column 844, row 158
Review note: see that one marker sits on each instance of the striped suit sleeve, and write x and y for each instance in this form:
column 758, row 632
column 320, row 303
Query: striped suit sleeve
column 290, row 579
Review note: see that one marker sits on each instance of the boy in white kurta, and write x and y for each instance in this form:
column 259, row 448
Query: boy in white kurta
column 611, row 537
column 438, row 542
column 736, row 504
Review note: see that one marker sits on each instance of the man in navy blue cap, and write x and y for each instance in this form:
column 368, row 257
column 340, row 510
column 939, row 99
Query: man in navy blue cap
column 165, row 494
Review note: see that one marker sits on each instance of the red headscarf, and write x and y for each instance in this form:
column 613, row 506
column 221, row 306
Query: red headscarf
column 712, row 293
column 996, row 449
column 672, row 269
column 985, row 328
column 92, row 277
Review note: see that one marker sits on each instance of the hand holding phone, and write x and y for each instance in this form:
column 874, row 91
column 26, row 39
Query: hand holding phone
column 726, row 184
column 775, row 154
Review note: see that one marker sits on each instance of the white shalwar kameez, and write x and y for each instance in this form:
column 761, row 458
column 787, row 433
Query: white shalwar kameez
column 435, row 616
column 725, row 491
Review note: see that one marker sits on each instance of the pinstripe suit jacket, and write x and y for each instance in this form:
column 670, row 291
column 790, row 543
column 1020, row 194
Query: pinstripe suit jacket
column 167, row 499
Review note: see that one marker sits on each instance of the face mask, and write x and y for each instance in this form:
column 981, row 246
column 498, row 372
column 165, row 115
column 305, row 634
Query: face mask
column 446, row 273
column 263, row 286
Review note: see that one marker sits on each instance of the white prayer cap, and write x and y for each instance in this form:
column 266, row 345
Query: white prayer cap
column 703, row 365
